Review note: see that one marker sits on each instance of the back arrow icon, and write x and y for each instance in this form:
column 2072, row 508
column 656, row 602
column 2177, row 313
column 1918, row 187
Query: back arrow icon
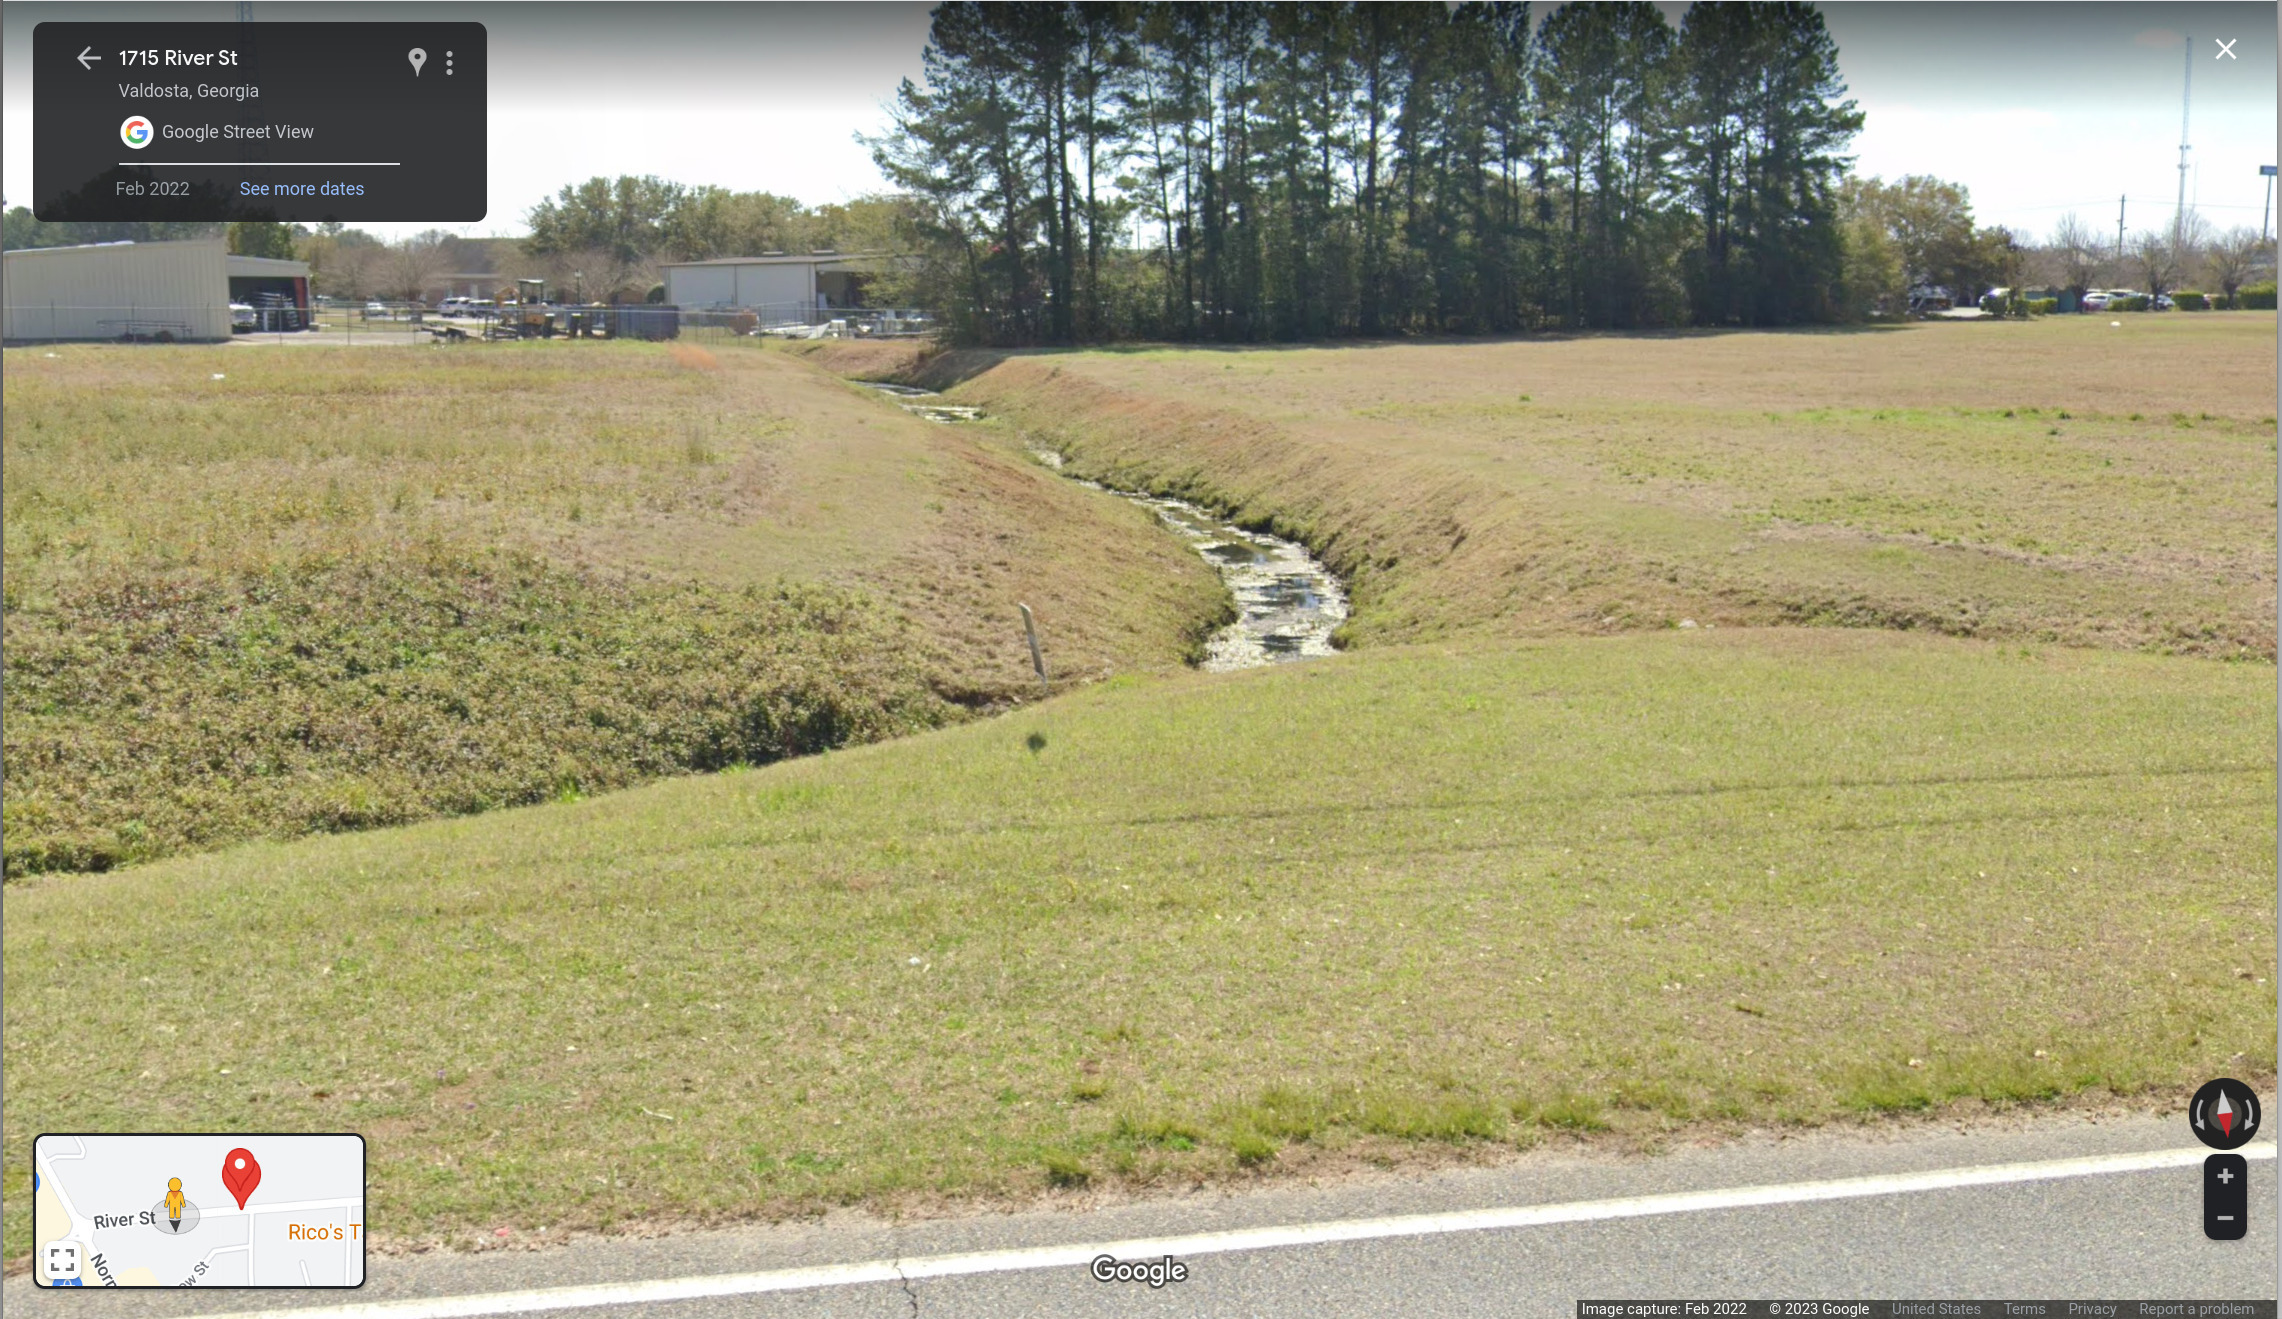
column 87, row 57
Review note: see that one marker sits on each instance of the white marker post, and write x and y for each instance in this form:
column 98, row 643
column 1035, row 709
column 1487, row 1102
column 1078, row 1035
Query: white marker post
column 1037, row 661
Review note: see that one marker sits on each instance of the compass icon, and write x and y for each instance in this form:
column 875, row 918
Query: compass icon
column 2224, row 1114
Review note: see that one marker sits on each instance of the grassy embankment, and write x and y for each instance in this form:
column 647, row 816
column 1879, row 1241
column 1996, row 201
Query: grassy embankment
column 2057, row 481
column 262, row 590
column 1466, row 891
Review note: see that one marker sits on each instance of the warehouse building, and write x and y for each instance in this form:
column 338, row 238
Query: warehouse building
column 778, row 286
column 177, row 292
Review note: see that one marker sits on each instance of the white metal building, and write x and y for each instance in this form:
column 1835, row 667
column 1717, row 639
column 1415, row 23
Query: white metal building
column 178, row 291
column 777, row 285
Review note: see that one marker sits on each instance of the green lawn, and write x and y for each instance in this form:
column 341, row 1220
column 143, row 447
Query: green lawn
column 1172, row 926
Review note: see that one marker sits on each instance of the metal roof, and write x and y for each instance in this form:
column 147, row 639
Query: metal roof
column 236, row 265
column 785, row 259
column 267, row 265
column 89, row 247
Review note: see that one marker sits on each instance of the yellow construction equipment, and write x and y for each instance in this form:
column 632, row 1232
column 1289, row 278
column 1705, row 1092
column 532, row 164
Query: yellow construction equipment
column 520, row 310
column 523, row 310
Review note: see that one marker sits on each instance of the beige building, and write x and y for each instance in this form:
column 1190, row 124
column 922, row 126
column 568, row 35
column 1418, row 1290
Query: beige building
column 177, row 292
column 778, row 286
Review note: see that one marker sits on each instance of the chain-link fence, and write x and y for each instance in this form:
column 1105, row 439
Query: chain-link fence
column 799, row 321
column 380, row 323
column 201, row 323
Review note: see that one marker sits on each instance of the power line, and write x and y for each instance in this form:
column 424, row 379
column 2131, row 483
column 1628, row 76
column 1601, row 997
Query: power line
column 2139, row 201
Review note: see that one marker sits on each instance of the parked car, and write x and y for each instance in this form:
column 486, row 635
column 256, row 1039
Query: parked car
column 376, row 311
column 2096, row 300
column 2163, row 302
column 243, row 318
column 1929, row 298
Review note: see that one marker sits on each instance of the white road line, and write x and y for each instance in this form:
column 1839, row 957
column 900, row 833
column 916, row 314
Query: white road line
column 662, row 1290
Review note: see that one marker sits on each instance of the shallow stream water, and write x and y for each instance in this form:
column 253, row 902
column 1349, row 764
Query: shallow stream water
column 1287, row 602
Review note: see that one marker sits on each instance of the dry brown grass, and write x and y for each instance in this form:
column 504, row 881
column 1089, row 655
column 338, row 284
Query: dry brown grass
column 1111, row 591
column 666, row 461
column 861, row 359
column 2059, row 481
column 266, row 592
column 694, row 357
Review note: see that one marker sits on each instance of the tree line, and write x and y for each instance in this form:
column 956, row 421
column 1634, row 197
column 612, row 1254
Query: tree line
column 1238, row 171
column 1088, row 172
column 605, row 237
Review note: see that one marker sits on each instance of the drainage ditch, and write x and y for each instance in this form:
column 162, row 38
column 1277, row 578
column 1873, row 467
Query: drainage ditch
column 1287, row 602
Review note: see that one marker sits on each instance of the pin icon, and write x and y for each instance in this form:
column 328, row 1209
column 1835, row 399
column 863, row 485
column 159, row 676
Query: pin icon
column 418, row 58
column 240, row 1174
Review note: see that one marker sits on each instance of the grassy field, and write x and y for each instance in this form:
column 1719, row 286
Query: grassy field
column 1529, row 858
column 261, row 590
column 1158, row 929
column 2061, row 480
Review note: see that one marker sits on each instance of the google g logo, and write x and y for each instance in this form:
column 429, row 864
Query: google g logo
column 136, row 132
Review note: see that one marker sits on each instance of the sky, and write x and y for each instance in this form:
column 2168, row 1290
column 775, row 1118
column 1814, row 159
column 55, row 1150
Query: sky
column 2038, row 109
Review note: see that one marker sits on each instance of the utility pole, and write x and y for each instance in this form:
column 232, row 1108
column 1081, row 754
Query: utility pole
column 2266, row 208
column 2119, row 228
column 2186, row 103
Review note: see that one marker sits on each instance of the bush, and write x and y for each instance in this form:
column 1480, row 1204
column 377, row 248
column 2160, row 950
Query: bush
column 2185, row 301
column 2137, row 302
column 2256, row 297
column 2042, row 306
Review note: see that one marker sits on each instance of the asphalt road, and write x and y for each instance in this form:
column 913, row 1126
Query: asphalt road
column 2059, row 1209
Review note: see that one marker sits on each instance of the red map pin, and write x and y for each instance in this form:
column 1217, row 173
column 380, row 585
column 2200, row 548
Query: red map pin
column 241, row 1174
